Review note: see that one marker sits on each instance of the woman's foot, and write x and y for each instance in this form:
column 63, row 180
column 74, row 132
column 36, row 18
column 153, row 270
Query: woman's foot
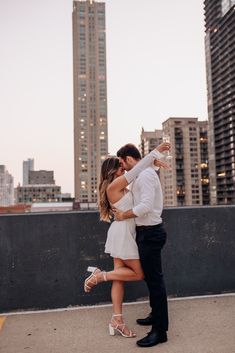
column 96, row 277
column 117, row 324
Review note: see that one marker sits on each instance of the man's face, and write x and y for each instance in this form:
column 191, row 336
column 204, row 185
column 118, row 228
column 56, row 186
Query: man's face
column 128, row 163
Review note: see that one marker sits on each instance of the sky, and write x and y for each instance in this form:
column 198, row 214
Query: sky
column 155, row 70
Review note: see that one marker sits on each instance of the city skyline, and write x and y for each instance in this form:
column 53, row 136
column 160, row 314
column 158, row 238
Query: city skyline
column 155, row 69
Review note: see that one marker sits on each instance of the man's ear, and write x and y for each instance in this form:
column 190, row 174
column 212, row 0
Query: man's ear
column 128, row 159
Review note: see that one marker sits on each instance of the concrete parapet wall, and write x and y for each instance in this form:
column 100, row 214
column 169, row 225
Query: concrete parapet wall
column 43, row 257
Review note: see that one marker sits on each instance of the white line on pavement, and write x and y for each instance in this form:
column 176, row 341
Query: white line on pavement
column 108, row 305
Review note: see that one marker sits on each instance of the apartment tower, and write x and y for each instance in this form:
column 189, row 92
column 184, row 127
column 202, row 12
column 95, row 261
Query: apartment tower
column 6, row 187
column 220, row 63
column 182, row 184
column 149, row 140
column 90, row 97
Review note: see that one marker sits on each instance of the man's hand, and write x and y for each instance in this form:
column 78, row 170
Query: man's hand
column 161, row 164
column 118, row 215
column 164, row 146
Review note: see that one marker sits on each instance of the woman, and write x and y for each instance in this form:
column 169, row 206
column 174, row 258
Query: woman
column 120, row 242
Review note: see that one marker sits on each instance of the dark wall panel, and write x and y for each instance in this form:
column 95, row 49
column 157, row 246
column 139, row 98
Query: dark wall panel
column 43, row 257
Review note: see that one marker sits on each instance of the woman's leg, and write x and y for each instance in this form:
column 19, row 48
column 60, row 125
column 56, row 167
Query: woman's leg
column 117, row 291
column 117, row 294
column 130, row 270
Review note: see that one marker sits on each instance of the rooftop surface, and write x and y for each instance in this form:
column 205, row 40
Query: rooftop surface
column 197, row 325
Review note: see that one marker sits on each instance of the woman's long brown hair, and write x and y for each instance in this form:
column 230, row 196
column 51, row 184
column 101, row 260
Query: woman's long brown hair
column 108, row 170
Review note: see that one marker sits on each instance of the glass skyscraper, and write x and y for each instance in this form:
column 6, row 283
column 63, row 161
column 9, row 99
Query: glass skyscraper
column 220, row 62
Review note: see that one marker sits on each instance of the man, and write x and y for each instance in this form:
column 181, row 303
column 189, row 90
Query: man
column 150, row 238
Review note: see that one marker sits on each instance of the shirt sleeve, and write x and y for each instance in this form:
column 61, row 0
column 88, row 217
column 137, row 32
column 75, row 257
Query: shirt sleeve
column 142, row 165
column 147, row 183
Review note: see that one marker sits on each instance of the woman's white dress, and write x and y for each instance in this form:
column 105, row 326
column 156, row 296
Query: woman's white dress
column 120, row 241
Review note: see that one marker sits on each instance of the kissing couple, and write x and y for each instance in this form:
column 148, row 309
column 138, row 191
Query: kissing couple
column 136, row 236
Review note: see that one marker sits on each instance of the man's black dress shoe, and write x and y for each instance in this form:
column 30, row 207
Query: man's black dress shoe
column 145, row 322
column 153, row 337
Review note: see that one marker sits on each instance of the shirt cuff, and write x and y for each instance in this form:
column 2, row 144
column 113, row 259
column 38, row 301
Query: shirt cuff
column 155, row 167
column 157, row 154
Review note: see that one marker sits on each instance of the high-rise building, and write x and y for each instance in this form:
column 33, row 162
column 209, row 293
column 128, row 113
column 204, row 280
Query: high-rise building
column 27, row 166
column 182, row 184
column 149, row 140
column 6, row 187
column 41, row 177
column 90, row 96
column 204, row 163
column 220, row 62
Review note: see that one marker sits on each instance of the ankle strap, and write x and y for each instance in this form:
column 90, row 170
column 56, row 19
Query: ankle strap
column 104, row 275
column 114, row 315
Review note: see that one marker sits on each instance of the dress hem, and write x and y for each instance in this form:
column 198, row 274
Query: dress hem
column 132, row 257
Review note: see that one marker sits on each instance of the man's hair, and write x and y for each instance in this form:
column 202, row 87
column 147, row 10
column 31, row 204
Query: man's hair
column 129, row 150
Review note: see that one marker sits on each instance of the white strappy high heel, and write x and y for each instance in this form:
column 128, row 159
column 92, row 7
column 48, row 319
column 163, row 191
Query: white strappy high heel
column 93, row 278
column 119, row 327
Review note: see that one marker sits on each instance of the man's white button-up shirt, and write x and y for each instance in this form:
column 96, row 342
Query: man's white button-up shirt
column 148, row 198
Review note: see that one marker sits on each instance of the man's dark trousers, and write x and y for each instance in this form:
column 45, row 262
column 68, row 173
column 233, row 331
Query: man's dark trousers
column 150, row 241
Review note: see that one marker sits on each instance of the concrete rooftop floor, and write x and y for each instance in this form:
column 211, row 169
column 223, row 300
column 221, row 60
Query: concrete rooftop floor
column 197, row 325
